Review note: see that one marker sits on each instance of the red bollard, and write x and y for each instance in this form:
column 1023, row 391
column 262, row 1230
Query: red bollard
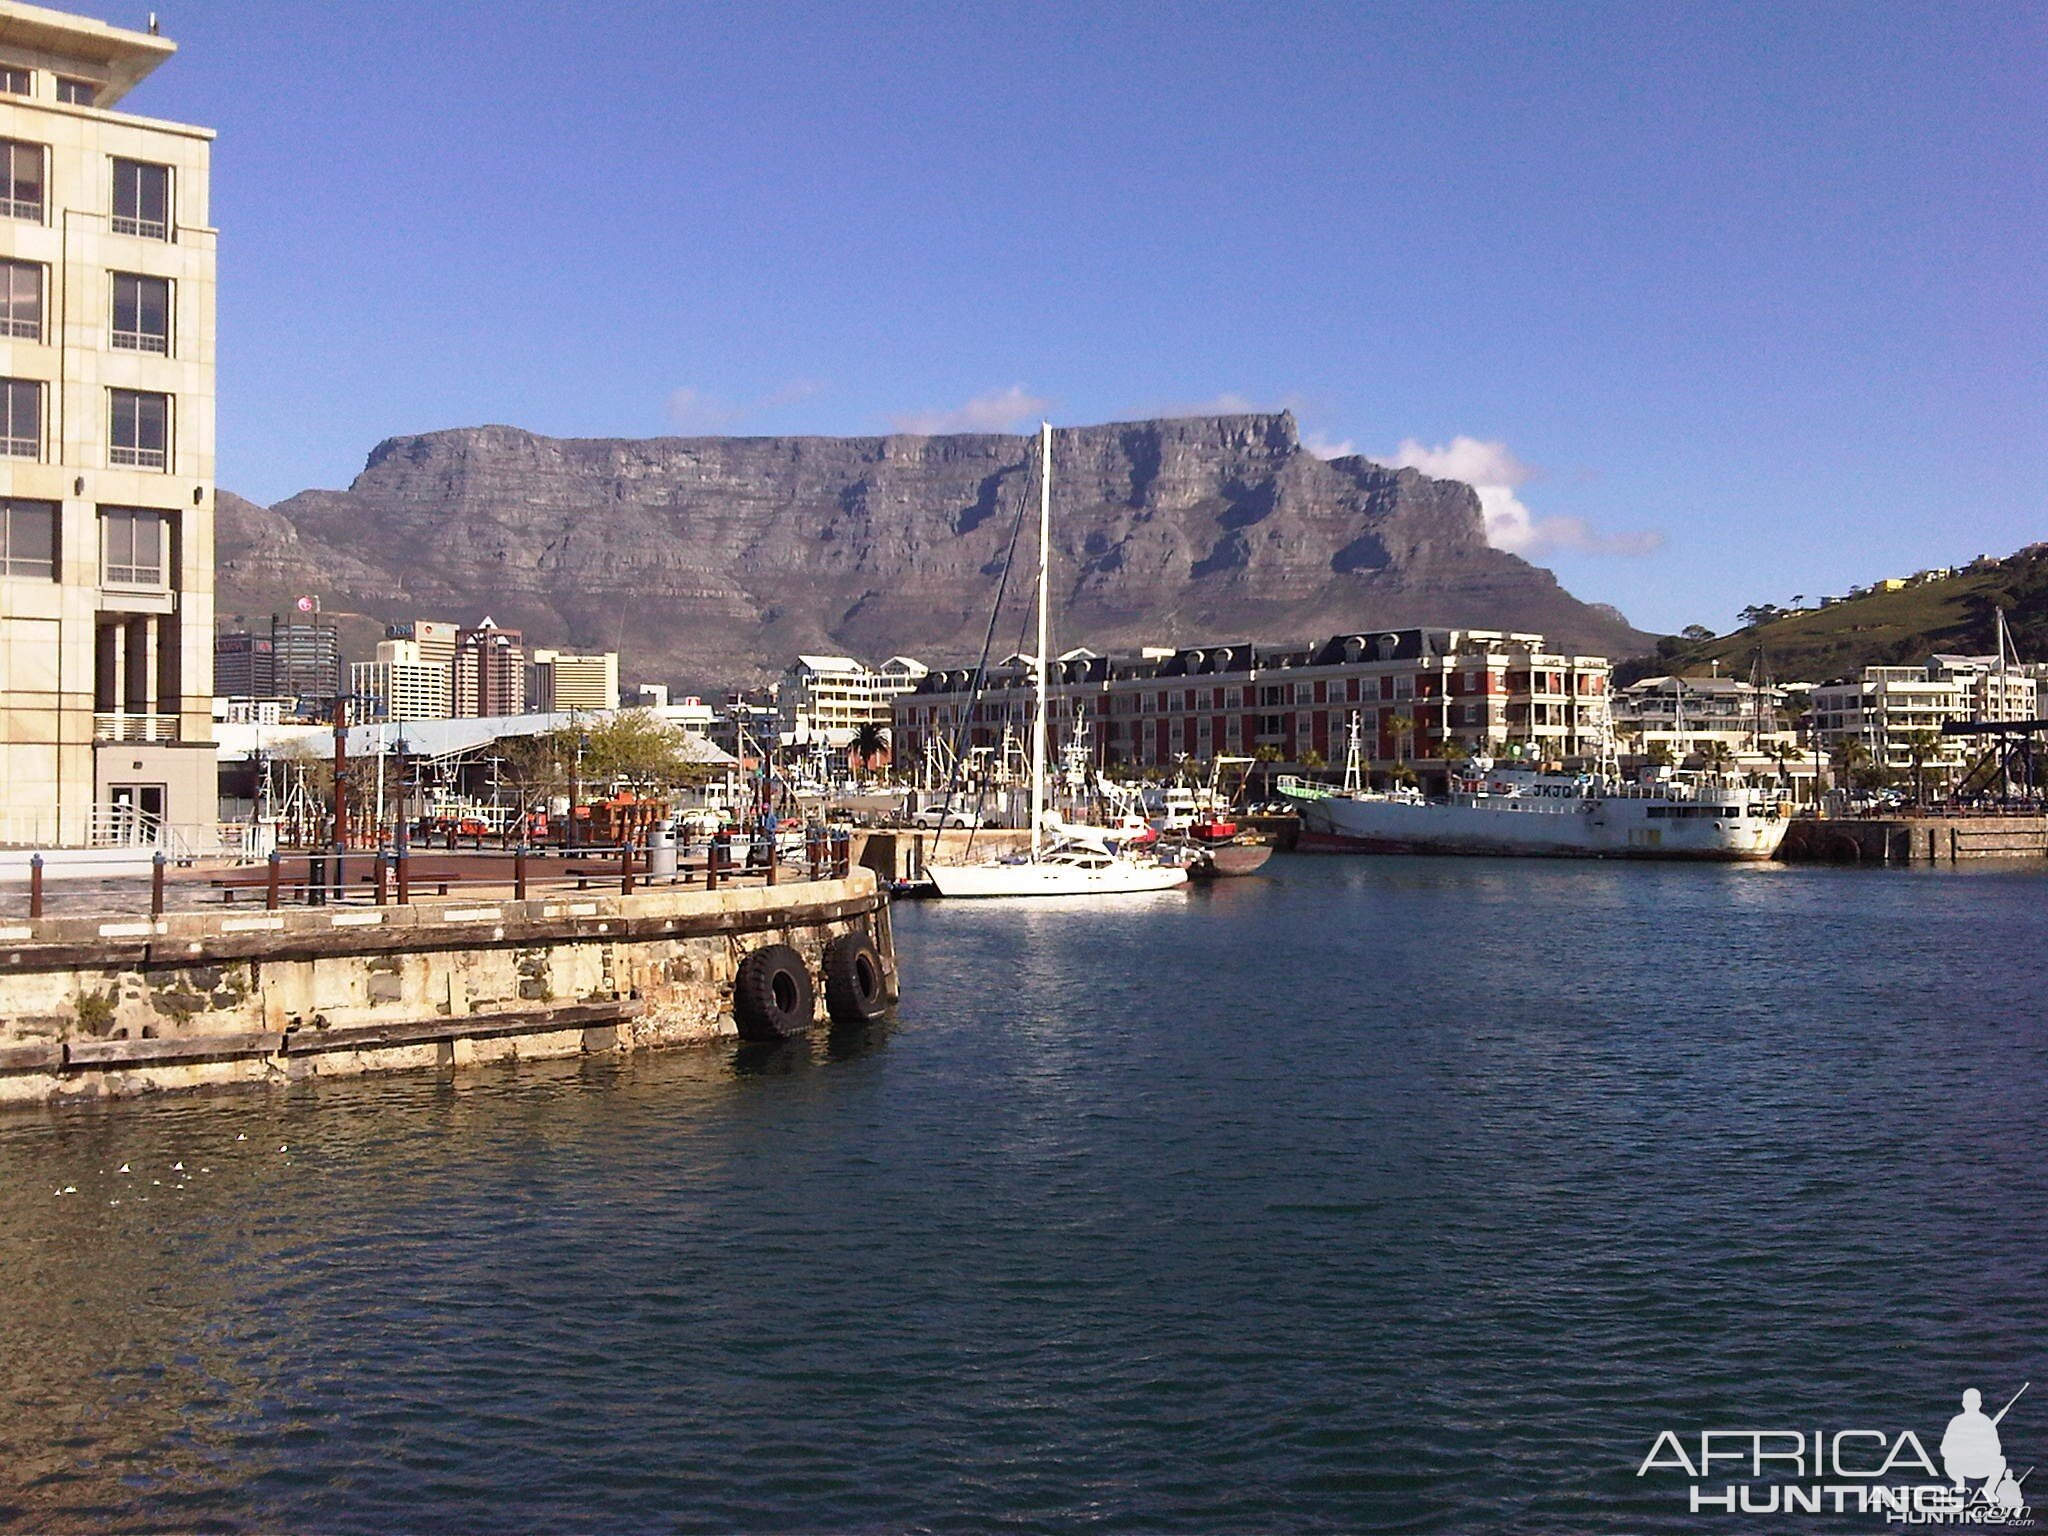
column 404, row 876
column 383, row 877
column 625, row 869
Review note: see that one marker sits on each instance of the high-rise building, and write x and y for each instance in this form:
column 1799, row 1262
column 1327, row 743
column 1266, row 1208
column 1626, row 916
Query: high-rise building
column 490, row 671
column 106, row 437
column 242, row 666
column 400, row 685
column 305, row 658
column 558, row 681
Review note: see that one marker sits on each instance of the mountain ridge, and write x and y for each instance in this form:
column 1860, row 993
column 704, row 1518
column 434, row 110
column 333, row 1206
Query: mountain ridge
column 712, row 560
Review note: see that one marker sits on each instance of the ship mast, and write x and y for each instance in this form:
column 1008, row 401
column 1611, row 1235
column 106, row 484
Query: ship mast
column 1044, row 590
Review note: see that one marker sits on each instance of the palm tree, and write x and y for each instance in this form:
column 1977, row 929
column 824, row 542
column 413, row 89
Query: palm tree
column 1400, row 727
column 1715, row 756
column 870, row 743
column 1923, row 745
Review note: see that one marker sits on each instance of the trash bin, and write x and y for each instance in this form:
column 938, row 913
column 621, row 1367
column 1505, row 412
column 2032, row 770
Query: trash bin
column 661, row 850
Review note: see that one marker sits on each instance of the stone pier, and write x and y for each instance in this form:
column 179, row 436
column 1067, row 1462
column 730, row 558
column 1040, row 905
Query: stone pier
column 1914, row 839
column 93, row 1007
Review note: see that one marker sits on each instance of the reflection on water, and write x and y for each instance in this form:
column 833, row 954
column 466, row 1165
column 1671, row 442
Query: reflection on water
column 1381, row 1194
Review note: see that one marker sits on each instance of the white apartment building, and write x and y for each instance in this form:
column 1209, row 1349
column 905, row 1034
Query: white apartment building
column 1688, row 716
column 106, row 439
column 1891, row 710
column 825, row 700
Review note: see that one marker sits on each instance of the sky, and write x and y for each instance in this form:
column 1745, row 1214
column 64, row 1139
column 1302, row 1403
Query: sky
column 1716, row 304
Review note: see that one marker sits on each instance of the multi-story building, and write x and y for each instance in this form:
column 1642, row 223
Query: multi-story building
column 1896, row 713
column 434, row 640
column 1411, row 690
column 825, row 700
column 1688, row 716
column 243, row 667
column 399, row 685
column 490, row 671
column 106, row 437
column 556, row 680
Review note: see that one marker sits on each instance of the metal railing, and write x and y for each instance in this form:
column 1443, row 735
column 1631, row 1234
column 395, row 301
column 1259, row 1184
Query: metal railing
column 120, row 725
column 22, row 208
column 149, row 229
column 140, row 458
column 141, row 341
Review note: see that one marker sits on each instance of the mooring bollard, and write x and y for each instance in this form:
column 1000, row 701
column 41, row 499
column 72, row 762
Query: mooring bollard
column 270, row 880
column 519, row 873
column 773, row 860
column 383, row 868
column 156, row 884
column 404, row 876
column 316, row 880
column 35, row 886
column 625, row 869
column 711, row 862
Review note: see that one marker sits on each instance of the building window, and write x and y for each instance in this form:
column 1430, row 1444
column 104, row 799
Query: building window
column 142, row 199
column 28, row 539
column 140, row 431
column 21, row 300
column 142, row 313
column 132, row 546
column 15, row 82
column 21, row 171
column 21, row 418
column 76, row 93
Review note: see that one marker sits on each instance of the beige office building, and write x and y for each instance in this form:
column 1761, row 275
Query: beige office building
column 106, row 440
column 556, row 680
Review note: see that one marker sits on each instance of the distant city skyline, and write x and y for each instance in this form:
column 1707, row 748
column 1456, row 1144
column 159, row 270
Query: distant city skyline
column 1713, row 304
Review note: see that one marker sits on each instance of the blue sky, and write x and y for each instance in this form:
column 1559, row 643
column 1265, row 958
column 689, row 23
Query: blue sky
column 1724, row 302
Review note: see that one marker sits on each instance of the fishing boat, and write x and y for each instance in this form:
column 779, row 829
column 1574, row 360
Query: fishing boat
column 1064, row 860
column 1517, row 810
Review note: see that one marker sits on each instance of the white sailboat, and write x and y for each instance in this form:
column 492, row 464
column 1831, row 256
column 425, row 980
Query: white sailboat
column 1064, row 860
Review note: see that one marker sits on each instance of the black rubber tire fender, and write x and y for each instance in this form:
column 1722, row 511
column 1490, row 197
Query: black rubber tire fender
column 772, row 996
column 856, row 982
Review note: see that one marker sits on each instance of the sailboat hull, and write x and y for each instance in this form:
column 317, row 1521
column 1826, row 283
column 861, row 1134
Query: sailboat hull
column 1038, row 879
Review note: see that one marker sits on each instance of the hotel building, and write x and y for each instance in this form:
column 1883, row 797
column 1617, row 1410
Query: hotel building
column 1412, row 689
column 106, row 440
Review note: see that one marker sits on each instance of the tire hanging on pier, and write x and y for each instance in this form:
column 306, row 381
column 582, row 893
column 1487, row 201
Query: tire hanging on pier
column 772, row 996
column 856, row 986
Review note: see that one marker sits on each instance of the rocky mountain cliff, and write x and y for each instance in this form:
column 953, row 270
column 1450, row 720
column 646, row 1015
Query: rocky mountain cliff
column 709, row 561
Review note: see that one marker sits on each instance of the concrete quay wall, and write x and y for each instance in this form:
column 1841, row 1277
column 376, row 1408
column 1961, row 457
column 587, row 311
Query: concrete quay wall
column 1914, row 839
column 114, row 1007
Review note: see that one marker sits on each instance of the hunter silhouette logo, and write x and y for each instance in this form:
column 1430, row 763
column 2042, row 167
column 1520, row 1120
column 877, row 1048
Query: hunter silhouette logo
column 1972, row 1452
column 1855, row 1471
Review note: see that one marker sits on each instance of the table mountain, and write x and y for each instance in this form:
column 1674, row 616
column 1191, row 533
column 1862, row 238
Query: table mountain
column 713, row 560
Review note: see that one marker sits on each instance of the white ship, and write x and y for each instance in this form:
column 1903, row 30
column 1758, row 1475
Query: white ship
column 1519, row 811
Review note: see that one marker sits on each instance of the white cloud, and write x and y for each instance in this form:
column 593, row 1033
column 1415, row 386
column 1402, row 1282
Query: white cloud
column 1326, row 447
column 1496, row 476
column 1229, row 403
column 691, row 411
column 1002, row 410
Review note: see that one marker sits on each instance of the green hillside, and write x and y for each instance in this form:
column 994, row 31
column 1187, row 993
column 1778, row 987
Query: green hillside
column 1880, row 628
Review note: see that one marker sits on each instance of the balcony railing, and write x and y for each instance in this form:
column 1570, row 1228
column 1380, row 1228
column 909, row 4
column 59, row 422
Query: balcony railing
column 141, row 458
column 122, row 726
column 141, row 341
column 22, row 208
column 31, row 330
column 149, row 229
column 21, row 447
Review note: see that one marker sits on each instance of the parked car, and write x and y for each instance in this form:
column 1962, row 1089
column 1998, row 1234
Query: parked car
column 934, row 816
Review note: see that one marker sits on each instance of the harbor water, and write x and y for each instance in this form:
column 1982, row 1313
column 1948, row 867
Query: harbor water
column 1376, row 1195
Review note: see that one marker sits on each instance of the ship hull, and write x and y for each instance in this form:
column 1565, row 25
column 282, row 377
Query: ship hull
column 1613, row 829
column 990, row 881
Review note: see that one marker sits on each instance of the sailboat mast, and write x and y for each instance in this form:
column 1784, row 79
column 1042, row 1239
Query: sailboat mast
column 1038, row 717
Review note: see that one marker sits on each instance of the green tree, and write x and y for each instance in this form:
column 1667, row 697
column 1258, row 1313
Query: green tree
column 1923, row 745
column 869, row 746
